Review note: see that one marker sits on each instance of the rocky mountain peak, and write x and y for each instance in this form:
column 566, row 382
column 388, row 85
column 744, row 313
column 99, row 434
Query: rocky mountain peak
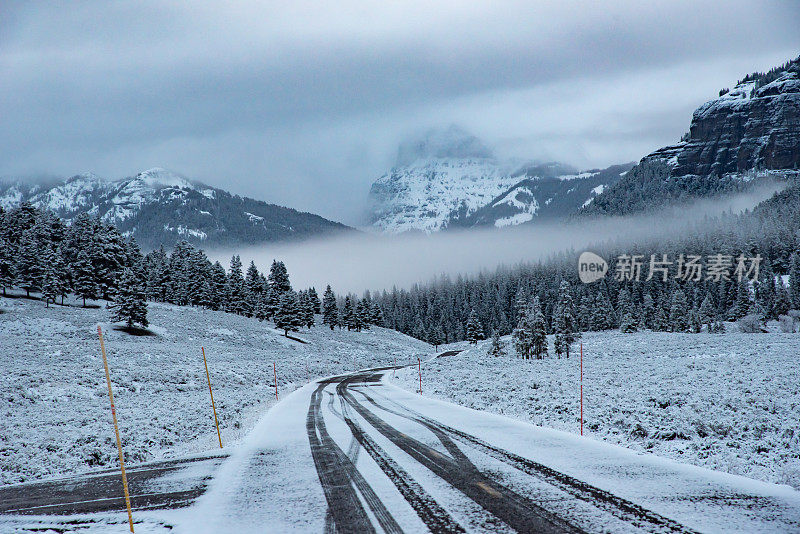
column 442, row 143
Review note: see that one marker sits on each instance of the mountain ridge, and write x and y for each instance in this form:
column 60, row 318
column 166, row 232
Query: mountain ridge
column 159, row 207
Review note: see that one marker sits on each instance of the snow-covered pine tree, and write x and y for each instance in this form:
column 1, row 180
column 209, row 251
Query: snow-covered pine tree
column 235, row 288
column 474, row 328
column 706, row 312
column 523, row 335
column 648, row 311
column 679, row 312
column 376, row 315
column 498, row 347
column 330, row 313
column 6, row 265
column 539, row 331
column 54, row 279
column 83, row 278
column 348, row 314
column 436, row 337
column 29, row 265
column 279, row 277
column 695, row 324
column 794, row 281
column 314, row 298
column 741, row 305
column 564, row 324
column 130, row 305
column 661, row 320
column 782, row 304
column 288, row 318
column 306, row 310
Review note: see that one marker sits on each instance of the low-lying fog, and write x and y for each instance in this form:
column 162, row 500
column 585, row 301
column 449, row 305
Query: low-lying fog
column 366, row 261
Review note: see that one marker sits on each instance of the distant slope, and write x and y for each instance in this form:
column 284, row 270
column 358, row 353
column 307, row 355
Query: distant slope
column 159, row 207
column 750, row 132
column 542, row 196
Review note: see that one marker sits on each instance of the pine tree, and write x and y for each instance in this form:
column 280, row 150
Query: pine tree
column 130, row 305
column 474, row 328
column 706, row 312
column 6, row 264
column 83, row 278
column 235, row 288
column 330, row 313
column 628, row 323
column 279, row 277
column 376, row 315
column 288, row 316
column 794, row 281
column 314, row 298
column 661, row 321
column 679, row 312
column 648, row 311
column 348, row 314
column 28, row 267
column 523, row 334
column 498, row 347
column 54, row 282
column 306, row 308
column 539, row 331
column 564, row 324
column 436, row 337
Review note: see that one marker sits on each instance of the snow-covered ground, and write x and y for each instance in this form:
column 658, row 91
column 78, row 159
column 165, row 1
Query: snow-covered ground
column 54, row 403
column 728, row 402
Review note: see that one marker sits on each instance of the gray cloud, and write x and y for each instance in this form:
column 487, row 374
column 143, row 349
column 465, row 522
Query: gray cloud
column 304, row 105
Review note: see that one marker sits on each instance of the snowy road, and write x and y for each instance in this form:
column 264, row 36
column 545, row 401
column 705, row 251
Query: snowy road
column 355, row 454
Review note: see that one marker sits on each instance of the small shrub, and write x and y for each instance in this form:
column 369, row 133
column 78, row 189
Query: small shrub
column 750, row 324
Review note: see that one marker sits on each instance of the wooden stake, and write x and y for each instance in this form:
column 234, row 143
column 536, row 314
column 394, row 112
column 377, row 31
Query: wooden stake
column 213, row 407
column 419, row 362
column 275, row 370
column 116, row 429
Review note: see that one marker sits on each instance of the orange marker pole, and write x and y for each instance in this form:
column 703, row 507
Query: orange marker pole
column 581, row 388
column 116, row 428
column 275, row 370
column 213, row 408
column 419, row 362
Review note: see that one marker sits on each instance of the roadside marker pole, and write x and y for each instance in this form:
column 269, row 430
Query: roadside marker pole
column 419, row 362
column 581, row 388
column 275, row 370
column 116, row 428
column 213, row 408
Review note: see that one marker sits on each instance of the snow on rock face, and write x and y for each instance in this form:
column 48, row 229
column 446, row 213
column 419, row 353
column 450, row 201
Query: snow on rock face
column 449, row 179
column 748, row 127
column 424, row 196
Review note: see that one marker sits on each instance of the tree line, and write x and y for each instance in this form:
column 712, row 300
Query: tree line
column 90, row 259
column 548, row 297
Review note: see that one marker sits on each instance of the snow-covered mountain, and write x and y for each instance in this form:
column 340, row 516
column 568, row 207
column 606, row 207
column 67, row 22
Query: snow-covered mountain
column 160, row 207
column 449, row 179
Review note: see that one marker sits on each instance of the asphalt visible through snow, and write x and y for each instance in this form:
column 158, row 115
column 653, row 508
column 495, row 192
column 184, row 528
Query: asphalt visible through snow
column 354, row 507
column 152, row 486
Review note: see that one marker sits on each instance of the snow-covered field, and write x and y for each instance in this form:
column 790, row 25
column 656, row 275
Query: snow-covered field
column 729, row 402
column 54, row 403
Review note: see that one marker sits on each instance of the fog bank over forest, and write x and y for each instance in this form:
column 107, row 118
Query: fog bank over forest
column 365, row 261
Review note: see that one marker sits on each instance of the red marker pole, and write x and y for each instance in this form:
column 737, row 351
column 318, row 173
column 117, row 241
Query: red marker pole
column 275, row 370
column 581, row 388
column 419, row 362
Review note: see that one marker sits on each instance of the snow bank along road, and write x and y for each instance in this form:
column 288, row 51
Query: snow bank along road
column 353, row 453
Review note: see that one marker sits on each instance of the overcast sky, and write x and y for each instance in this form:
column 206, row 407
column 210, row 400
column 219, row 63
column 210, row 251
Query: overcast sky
column 304, row 104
